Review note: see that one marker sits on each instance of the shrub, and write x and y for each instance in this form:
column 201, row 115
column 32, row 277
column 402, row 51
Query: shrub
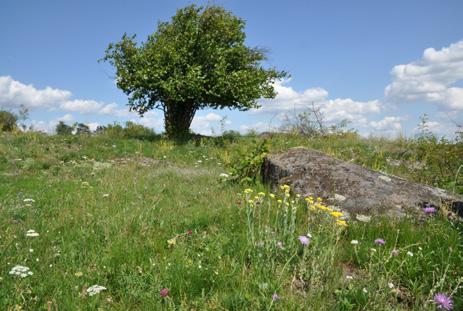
column 7, row 121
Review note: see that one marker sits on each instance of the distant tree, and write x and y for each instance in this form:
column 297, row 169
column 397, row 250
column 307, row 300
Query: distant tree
column 63, row 129
column 81, row 129
column 197, row 60
column 7, row 121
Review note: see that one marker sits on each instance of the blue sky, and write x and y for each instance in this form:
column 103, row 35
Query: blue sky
column 380, row 64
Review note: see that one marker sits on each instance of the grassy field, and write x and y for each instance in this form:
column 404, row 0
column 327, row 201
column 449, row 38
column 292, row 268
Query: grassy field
column 155, row 224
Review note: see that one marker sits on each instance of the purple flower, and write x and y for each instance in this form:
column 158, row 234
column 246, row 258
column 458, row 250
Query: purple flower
column 304, row 240
column 443, row 302
column 164, row 292
column 429, row 210
column 275, row 297
column 380, row 242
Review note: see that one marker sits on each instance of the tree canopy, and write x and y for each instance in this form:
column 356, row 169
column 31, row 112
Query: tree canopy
column 197, row 60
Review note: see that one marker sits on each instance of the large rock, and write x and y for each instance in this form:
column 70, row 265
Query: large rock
column 351, row 187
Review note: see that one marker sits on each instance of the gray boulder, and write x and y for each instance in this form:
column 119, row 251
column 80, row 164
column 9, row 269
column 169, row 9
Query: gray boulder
column 352, row 188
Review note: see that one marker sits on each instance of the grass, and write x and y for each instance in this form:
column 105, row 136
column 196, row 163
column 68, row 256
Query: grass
column 137, row 216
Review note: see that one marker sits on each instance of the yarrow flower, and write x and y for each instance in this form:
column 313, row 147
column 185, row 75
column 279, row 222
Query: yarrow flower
column 95, row 289
column 224, row 175
column 380, row 242
column 354, row 242
column 164, row 292
column 21, row 271
column 304, row 240
column 32, row 233
column 27, row 200
column 443, row 302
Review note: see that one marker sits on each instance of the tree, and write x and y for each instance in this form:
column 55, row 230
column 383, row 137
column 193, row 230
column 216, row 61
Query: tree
column 81, row 129
column 63, row 129
column 7, row 121
column 197, row 60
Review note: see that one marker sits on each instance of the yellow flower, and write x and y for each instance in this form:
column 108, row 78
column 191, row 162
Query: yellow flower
column 172, row 242
column 341, row 223
column 262, row 194
column 319, row 199
column 248, row 190
column 336, row 214
column 279, row 201
column 286, row 188
column 272, row 195
column 251, row 202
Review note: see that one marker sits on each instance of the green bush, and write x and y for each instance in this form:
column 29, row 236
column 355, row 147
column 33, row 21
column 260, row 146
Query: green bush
column 7, row 121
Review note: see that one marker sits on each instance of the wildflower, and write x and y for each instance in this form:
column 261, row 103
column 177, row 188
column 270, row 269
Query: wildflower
column 78, row 274
column 275, row 297
column 380, row 242
column 304, row 240
column 271, row 195
column 105, row 195
column 32, row 233
column 279, row 201
column 341, row 223
column 429, row 210
column 164, row 292
column 172, row 242
column 261, row 194
column 279, row 244
column 27, row 200
column 410, row 254
column 248, row 190
column 365, row 290
column 349, row 277
column 189, row 232
column 285, row 188
column 390, row 285
column 336, row 214
column 223, row 175
column 354, row 242
column 363, row 218
column 395, row 252
column 95, row 289
column 21, row 271
column 443, row 302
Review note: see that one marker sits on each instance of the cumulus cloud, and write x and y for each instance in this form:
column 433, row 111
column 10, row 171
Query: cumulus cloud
column 433, row 78
column 14, row 94
column 290, row 101
column 207, row 124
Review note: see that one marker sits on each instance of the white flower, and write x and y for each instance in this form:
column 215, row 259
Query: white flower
column 21, row 271
column 29, row 201
column 309, row 235
column 223, row 175
column 410, row 254
column 349, row 277
column 364, row 290
column 199, row 161
column 31, row 233
column 105, row 195
column 391, row 285
column 354, row 242
column 373, row 250
column 95, row 289
column 363, row 218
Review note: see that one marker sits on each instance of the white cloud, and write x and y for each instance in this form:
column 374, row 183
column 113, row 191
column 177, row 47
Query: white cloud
column 289, row 101
column 258, row 127
column 388, row 123
column 81, row 105
column 431, row 79
column 66, row 118
column 206, row 125
column 14, row 93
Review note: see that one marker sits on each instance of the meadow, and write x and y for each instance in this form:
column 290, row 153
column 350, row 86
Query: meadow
column 138, row 222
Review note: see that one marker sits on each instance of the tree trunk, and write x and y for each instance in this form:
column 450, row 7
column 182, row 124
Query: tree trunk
column 177, row 118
